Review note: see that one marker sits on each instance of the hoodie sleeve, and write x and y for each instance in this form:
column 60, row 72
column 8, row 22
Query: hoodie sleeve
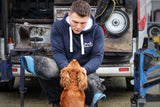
column 97, row 52
column 58, row 47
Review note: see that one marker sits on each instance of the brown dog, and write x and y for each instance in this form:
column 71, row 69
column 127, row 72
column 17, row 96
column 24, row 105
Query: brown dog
column 74, row 81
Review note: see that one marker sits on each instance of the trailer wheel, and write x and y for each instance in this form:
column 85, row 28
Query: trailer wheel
column 153, row 30
column 118, row 23
column 130, row 83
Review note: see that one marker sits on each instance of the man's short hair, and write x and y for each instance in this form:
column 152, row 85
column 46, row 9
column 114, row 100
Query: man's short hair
column 82, row 8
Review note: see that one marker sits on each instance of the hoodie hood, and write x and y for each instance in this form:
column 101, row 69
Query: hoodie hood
column 88, row 28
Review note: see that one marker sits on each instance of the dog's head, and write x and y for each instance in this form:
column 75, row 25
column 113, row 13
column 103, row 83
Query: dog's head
column 73, row 73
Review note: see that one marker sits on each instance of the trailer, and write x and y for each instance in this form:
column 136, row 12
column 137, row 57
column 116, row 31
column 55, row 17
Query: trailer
column 124, row 33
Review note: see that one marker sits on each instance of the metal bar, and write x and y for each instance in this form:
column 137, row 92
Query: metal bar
column 53, row 11
column 2, row 53
column 0, row 19
column 4, row 8
column 36, row 21
column 152, row 97
column 22, row 82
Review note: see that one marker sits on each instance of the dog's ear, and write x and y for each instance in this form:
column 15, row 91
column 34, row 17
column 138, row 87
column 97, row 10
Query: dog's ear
column 65, row 78
column 82, row 81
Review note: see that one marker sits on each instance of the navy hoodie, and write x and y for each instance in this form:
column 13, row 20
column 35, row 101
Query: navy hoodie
column 86, row 47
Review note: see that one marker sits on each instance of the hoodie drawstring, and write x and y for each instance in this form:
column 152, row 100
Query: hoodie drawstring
column 71, row 42
column 71, row 39
column 82, row 45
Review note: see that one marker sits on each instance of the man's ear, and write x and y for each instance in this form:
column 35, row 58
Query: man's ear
column 69, row 13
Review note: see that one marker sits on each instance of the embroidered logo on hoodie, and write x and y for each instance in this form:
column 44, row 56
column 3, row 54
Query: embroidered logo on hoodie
column 89, row 44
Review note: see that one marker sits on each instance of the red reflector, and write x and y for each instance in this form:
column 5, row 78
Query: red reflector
column 14, row 69
column 104, row 29
column 123, row 69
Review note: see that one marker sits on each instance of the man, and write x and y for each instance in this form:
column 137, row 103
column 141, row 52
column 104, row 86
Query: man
column 76, row 36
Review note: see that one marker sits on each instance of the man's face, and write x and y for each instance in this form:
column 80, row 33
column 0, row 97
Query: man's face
column 77, row 22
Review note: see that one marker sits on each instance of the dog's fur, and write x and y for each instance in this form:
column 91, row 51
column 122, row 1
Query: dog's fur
column 74, row 81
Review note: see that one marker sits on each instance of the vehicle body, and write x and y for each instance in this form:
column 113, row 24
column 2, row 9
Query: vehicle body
column 120, row 44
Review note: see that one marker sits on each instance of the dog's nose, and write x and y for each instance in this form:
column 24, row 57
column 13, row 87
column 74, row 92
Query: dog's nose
column 74, row 63
column 74, row 60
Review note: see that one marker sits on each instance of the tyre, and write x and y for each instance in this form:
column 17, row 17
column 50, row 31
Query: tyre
column 153, row 30
column 130, row 83
column 118, row 23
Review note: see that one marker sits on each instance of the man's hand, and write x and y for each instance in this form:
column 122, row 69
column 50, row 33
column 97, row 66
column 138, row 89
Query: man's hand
column 84, row 70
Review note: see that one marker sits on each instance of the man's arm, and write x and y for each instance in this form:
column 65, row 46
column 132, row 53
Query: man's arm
column 97, row 52
column 58, row 47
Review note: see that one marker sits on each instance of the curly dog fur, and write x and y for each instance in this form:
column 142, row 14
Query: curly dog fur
column 74, row 81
